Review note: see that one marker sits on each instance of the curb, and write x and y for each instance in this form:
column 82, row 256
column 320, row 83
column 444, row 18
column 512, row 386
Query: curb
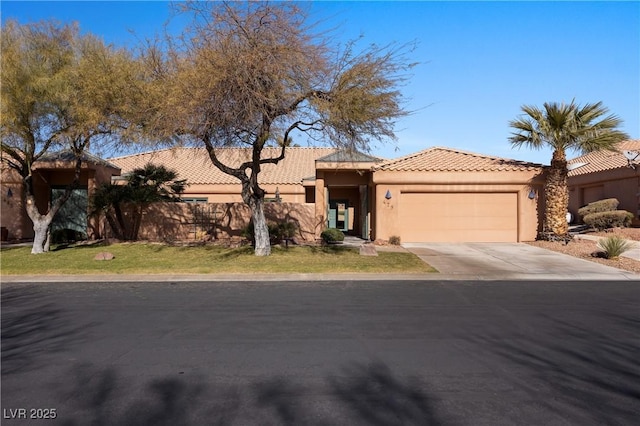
column 255, row 278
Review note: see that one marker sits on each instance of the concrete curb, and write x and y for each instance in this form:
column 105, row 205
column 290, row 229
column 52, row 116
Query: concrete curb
column 256, row 278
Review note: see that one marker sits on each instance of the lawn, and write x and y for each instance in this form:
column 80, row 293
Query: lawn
column 141, row 258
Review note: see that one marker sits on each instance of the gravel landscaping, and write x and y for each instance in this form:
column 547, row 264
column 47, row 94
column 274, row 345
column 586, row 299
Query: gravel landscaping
column 587, row 249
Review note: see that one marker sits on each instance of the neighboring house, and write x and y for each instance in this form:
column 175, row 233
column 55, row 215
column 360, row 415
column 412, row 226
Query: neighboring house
column 438, row 194
column 52, row 174
column 605, row 174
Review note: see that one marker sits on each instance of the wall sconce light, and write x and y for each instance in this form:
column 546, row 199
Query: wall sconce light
column 532, row 194
column 278, row 199
column 387, row 195
column 9, row 193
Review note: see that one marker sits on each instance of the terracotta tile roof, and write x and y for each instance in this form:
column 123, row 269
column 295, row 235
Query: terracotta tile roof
column 349, row 157
column 194, row 164
column 604, row 160
column 438, row 159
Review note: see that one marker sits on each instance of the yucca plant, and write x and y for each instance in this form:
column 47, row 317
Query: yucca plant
column 613, row 247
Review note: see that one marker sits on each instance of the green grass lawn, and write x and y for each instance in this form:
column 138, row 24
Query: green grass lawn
column 163, row 259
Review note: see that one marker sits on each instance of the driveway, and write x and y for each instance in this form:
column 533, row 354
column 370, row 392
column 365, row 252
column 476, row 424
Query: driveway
column 510, row 261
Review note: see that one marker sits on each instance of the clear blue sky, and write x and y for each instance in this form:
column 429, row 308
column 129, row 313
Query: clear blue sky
column 480, row 61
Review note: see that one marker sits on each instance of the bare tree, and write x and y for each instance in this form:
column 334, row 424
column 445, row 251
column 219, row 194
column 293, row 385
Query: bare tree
column 61, row 91
column 254, row 74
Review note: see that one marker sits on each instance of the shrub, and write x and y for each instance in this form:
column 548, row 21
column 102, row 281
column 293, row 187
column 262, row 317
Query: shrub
column 607, row 205
column 332, row 235
column 614, row 246
column 394, row 240
column 612, row 219
column 277, row 231
column 66, row 235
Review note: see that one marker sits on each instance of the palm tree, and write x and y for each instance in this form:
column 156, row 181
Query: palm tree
column 560, row 127
column 146, row 185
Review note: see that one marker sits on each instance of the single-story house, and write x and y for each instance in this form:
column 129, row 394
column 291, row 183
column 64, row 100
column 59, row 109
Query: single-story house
column 606, row 174
column 436, row 195
column 52, row 174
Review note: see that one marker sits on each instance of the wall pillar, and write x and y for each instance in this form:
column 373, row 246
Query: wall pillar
column 321, row 204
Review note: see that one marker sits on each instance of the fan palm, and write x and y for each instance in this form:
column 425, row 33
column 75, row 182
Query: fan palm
column 561, row 127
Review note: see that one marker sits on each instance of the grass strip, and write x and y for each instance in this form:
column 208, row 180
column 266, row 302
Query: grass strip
column 141, row 258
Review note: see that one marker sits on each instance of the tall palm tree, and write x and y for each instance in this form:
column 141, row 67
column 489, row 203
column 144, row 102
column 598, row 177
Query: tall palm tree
column 561, row 127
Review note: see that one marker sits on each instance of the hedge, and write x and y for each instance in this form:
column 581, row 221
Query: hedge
column 611, row 219
column 607, row 205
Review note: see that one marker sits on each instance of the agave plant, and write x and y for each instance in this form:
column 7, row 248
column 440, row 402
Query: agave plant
column 613, row 247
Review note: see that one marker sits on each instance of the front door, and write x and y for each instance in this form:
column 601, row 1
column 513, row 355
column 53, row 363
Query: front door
column 339, row 214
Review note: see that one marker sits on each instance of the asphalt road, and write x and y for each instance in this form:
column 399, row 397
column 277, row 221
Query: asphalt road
column 321, row 353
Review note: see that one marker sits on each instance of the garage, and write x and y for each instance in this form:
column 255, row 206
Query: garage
column 458, row 217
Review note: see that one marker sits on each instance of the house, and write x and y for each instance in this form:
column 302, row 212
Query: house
column 605, row 174
column 438, row 194
column 52, row 173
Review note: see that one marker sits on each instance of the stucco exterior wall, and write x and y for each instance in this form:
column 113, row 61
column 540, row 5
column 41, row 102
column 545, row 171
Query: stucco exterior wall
column 529, row 211
column 231, row 193
column 13, row 214
column 13, row 217
column 622, row 184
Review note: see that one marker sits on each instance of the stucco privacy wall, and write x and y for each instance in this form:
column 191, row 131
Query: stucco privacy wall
column 527, row 212
column 190, row 221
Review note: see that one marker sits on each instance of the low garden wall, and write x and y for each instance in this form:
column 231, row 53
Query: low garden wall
column 220, row 221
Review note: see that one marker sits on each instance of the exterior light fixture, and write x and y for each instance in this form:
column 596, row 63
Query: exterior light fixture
column 532, row 194
column 278, row 199
column 387, row 195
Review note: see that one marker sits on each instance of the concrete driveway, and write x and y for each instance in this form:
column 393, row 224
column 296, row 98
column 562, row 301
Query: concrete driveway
column 511, row 261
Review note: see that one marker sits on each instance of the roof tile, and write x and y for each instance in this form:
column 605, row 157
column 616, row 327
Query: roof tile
column 194, row 164
column 600, row 161
column 438, row 159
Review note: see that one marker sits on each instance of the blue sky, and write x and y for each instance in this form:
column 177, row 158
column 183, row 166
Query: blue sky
column 480, row 61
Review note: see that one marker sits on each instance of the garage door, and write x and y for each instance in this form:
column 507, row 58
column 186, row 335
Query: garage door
column 458, row 217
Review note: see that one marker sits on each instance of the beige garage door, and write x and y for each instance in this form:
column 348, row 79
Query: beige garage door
column 458, row 217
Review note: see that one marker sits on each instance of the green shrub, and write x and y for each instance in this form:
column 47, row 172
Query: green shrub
column 394, row 240
column 614, row 246
column 60, row 236
column 332, row 235
column 612, row 219
column 607, row 205
column 277, row 231
column 286, row 230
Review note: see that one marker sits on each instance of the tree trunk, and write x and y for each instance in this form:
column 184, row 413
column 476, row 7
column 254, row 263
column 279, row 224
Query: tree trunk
column 260, row 229
column 41, row 225
column 557, row 197
column 41, row 231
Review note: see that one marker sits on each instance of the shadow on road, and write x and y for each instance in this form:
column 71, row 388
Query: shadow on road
column 32, row 327
column 583, row 374
column 358, row 394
